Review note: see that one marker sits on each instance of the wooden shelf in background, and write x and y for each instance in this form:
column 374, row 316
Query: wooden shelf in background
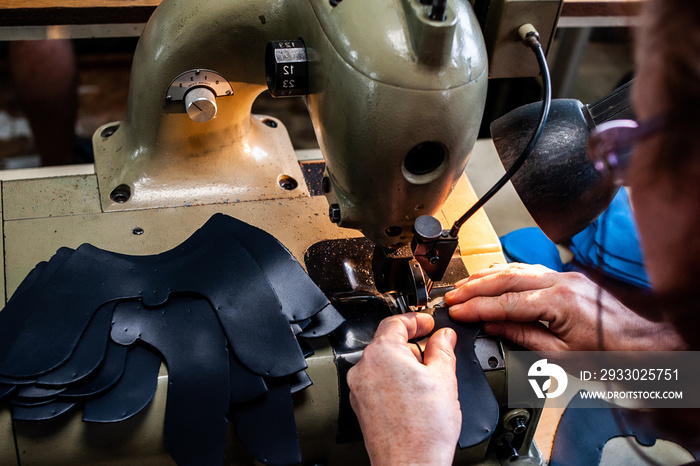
column 52, row 12
column 590, row 8
column 55, row 12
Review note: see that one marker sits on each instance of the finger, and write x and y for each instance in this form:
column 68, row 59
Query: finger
column 505, row 277
column 502, row 279
column 525, row 306
column 404, row 327
column 492, row 268
column 439, row 352
column 531, row 335
column 496, row 268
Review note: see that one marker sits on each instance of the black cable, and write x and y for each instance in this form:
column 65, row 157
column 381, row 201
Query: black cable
column 533, row 42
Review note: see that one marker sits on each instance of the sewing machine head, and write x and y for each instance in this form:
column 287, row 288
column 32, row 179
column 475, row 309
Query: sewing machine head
column 396, row 98
column 398, row 126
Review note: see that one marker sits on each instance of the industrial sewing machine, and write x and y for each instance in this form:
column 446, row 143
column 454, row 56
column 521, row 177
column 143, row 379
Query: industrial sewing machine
column 396, row 91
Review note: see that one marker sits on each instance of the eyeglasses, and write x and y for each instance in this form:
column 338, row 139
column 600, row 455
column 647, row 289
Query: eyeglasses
column 610, row 145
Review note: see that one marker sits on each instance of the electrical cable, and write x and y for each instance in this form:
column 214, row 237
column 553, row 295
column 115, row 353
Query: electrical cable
column 531, row 39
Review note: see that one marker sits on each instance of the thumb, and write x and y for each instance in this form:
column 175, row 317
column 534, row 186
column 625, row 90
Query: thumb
column 440, row 350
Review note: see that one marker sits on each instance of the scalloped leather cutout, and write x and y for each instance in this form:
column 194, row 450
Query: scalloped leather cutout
column 229, row 341
column 479, row 406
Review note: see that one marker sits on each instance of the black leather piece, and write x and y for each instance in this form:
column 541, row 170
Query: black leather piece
column 42, row 412
column 244, row 385
column 34, row 275
column 306, row 349
column 479, row 406
column 261, row 340
column 302, row 324
column 587, row 425
column 348, row 424
column 299, row 381
column 40, row 273
column 83, row 363
column 188, row 336
column 298, row 294
column 348, row 342
column 88, row 353
column 296, row 328
column 323, row 323
column 18, row 382
column 33, row 394
column 266, row 425
column 29, row 402
column 16, row 314
column 133, row 392
column 7, row 390
column 104, row 377
column 362, row 320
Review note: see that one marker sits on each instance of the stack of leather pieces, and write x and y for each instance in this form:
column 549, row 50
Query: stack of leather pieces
column 227, row 312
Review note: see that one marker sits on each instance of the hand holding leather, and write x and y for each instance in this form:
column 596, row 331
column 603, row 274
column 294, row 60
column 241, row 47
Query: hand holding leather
column 407, row 405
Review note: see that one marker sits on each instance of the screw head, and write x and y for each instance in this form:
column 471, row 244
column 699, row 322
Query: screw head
column 518, row 425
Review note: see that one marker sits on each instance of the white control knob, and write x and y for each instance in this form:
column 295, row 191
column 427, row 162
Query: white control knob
column 200, row 104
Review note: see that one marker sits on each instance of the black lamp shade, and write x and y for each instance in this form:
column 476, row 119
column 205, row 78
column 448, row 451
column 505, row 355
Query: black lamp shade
column 558, row 183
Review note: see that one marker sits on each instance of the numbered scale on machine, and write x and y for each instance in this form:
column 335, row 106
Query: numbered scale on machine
column 199, row 90
column 286, row 66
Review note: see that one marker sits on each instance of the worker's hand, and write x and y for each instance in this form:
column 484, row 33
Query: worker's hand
column 407, row 404
column 514, row 298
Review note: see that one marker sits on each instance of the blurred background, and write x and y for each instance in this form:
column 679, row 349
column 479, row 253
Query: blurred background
column 102, row 68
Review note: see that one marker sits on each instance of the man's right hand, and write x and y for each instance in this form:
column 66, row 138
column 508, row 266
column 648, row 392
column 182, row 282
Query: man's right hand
column 408, row 403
